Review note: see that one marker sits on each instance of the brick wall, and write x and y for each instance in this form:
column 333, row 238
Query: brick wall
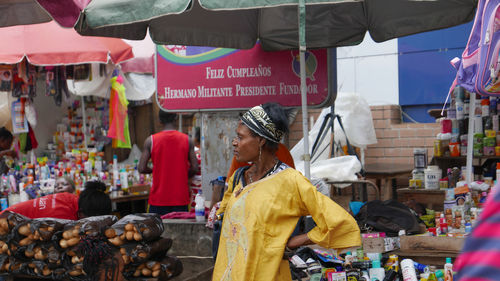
column 396, row 140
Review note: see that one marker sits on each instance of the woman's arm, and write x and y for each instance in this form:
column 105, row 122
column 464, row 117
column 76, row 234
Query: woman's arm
column 335, row 227
column 299, row 240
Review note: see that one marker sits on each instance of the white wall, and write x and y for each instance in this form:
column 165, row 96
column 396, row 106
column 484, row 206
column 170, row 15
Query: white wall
column 370, row 69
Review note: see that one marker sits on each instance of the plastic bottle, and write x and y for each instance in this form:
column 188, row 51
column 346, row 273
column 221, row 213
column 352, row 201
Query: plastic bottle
column 377, row 273
column 349, row 258
column 199, row 208
column 439, row 275
column 115, row 170
column 421, row 267
column 124, row 180
column 448, row 270
column 408, row 270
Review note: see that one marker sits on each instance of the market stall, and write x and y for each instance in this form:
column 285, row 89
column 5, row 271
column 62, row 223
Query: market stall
column 64, row 79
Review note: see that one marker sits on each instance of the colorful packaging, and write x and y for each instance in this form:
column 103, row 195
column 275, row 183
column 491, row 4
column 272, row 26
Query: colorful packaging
column 392, row 263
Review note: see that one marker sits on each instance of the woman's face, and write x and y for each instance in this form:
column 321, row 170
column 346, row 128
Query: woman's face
column 63, row 186
column 246, row 145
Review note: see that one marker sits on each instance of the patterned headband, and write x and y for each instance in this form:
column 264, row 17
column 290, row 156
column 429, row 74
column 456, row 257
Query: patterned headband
column 259, row 122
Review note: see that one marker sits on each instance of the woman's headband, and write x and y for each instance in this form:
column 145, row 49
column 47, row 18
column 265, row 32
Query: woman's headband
column 257, row 120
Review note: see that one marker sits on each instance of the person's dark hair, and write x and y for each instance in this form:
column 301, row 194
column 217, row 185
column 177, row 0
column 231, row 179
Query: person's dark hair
column 277, row 114
column 93, row 201
column 5, row 134
column 166, row 117
column 197, row 134
column 98, row 255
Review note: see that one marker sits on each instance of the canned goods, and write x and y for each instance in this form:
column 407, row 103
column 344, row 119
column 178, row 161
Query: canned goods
column 415, row 183
column 443, row 184
column 478, row 149
column 454, row 149
column 490, row 133
column 438, row 150
column 478, row 138
column 489, row 141
column 489, row 151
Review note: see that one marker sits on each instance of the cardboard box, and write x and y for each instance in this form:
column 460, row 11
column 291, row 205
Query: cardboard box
column 431, row 243
column 380, row 244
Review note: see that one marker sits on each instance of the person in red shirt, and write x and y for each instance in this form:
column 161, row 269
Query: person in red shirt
column 91, row 202
column 174, row 162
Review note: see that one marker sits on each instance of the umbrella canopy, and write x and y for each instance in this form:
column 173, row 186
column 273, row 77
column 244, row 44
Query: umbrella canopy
column 20, row 12
column 278, row 24
column 50, row 44
column 214, row 23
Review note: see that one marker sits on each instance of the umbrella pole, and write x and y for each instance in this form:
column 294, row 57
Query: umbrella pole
column 303, row 87
column 84, row 117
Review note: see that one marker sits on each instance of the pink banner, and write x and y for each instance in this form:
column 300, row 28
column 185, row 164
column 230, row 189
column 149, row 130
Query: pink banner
column 202, row 78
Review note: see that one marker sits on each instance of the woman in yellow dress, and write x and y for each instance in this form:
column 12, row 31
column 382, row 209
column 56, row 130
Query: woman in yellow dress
column 268, row 199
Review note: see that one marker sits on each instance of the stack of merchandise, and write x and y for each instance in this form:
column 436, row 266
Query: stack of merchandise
column 70, row 132
column 320, row 264
column 49, row 248
column 26, row 181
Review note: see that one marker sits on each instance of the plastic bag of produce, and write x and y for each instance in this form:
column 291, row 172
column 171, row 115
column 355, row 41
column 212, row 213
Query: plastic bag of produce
column 39, row 269
column 137, row 227
column 10, row 220
column 140, row 252
column 91, row 226
column 45, row 228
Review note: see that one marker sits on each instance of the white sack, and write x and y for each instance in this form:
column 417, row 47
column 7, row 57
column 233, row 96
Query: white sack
column 343, row 168
column 356, row 118
column 358, row 124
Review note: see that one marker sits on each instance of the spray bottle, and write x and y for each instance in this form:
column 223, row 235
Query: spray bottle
column 448, row 270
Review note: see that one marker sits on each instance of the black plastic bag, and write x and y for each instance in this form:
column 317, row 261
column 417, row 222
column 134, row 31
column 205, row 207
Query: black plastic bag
column 388, row 216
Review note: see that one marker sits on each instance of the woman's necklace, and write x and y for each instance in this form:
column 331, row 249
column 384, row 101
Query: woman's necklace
column 250, row 179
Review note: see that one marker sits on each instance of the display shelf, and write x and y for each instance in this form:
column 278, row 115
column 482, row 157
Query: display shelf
column 445, row 162
column 431, row 198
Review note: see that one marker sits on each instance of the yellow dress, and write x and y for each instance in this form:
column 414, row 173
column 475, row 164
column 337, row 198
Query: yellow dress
column 259, row 221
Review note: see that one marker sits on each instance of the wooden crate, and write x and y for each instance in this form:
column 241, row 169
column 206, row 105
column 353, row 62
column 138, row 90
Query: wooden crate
column 431, row 244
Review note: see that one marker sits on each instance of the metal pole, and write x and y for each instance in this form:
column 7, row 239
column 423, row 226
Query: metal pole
column 470, row 139
column 303, row 87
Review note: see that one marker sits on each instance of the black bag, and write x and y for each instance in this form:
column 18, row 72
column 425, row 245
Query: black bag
column 389, row 216
column 218, row 223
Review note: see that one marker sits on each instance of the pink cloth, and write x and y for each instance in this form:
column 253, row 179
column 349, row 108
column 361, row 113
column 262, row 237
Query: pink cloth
column 179, row 215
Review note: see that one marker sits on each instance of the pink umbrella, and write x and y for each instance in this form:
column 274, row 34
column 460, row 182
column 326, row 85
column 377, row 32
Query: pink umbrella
column 50, row 44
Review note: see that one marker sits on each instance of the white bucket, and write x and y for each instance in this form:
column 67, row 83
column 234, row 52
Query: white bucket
column 432, row 176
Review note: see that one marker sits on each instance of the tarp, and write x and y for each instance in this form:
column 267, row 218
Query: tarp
column 138, row 86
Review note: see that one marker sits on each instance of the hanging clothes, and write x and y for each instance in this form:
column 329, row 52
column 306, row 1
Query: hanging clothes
column 32, row 138
column 118, row 117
